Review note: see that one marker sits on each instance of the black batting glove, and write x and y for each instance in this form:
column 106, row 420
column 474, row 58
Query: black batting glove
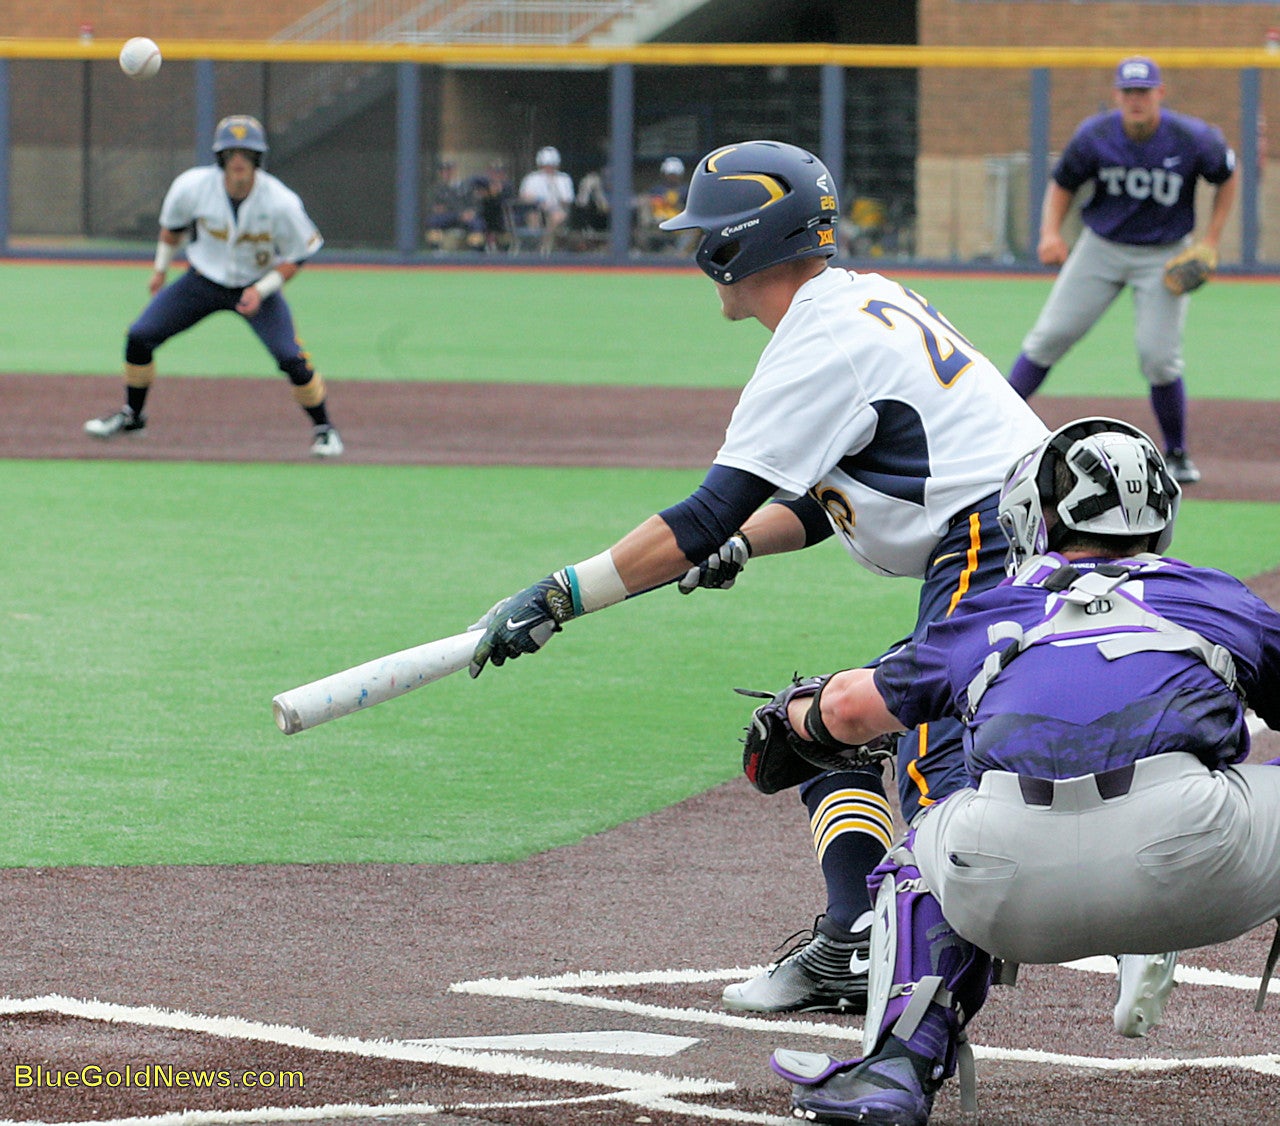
column 524, row 622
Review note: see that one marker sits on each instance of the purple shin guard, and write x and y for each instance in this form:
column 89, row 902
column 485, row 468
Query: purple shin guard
column 939, row 980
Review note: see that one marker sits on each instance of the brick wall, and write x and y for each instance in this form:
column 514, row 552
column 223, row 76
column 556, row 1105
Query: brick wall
column 176, row 19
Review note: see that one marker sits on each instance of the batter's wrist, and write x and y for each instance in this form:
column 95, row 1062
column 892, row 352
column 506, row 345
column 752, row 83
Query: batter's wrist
column 268, row 284
column 595, row 583
column 164, row 256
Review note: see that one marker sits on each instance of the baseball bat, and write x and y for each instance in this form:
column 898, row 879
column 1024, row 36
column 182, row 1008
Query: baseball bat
column 374, row 682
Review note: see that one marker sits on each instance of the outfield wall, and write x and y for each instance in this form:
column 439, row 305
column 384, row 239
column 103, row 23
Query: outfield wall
column 942, row 153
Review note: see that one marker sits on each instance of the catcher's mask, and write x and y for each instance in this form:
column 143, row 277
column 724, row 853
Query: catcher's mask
column 758, row 203
column 240, row 131
column 1119, row 487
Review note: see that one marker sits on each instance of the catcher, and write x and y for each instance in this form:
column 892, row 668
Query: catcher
column 1103, row 691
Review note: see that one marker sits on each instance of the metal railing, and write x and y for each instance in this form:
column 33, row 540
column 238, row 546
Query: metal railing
column 459, row 21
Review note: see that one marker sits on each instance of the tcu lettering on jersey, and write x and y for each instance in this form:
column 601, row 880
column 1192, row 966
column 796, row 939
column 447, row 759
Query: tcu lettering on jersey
column 1160, row 184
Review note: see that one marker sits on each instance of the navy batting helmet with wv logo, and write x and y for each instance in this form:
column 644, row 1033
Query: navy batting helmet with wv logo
column 758, row 203
column 240, row 131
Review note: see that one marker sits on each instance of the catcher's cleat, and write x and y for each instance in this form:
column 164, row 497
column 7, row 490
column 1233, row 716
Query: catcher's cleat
column 891, row 1088
column 1181, row 468
column 326, row 443
column 1143, row 985
column 123, row 421
column 823, row 973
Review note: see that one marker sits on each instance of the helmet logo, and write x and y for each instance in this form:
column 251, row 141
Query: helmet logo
column 823, row 183
column 826, row 236
column 775, row 189
column 239, row 132
column 711, row 160
column 727, row 231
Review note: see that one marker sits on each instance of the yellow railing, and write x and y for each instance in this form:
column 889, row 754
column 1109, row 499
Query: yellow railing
column 649, row 54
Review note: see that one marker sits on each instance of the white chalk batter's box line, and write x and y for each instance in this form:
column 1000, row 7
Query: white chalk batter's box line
column 562, row 990
column 642, row 1090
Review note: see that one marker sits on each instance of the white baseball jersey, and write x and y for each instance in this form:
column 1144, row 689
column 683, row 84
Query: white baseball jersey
column 870, row 400
column 547, row 189
column 236, row 247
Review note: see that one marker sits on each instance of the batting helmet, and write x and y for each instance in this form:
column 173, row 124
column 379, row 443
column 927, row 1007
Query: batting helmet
column 758, row 203
column 239, row 131
column 1099, row 476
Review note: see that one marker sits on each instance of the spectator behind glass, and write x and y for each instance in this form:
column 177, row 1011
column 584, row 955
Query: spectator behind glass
column 547, row 193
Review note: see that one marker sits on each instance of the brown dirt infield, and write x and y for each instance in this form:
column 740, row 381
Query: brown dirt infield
column 341, row 967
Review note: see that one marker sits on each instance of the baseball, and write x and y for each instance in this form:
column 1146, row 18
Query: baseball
column 140, row 57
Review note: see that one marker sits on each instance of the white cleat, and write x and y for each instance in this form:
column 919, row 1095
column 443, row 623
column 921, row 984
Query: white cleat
column 327, row 443
column 1144, row 982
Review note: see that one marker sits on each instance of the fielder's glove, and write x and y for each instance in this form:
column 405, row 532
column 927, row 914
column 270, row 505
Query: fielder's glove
column 1189, row 270
column 720, row 570
column 775, row 757
column 524, row 622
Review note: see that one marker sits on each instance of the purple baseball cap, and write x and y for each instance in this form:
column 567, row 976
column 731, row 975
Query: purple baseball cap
column 1137, row 73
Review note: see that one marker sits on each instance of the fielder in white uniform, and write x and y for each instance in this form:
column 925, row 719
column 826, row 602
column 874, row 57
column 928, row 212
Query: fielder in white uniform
column 247, row 234
column 869, row 417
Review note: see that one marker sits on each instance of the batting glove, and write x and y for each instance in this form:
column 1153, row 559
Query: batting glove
column 524, row 622
column 720, row 570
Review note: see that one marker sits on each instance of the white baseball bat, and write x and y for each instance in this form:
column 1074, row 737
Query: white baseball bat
column 372, row 683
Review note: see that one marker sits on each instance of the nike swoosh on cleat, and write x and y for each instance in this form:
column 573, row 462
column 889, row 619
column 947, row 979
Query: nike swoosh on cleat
column 858, row 964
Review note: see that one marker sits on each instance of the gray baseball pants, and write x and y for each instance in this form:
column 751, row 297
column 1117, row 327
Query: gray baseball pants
column 1186, row 857
column 1092, row 277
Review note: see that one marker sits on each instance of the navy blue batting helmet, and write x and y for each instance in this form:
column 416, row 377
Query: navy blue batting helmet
column 758, row 203
column 240, row 131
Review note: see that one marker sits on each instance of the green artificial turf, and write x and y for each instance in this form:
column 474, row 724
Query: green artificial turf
column 644, row 327
column 152, row 611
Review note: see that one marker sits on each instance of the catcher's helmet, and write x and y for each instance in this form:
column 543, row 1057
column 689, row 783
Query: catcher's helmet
column 1118, row 487
column 758, row 203
column 240, row 131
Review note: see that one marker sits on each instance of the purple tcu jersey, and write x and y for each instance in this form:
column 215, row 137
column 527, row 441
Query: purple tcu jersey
column 1143, row 191
column 1060, row 708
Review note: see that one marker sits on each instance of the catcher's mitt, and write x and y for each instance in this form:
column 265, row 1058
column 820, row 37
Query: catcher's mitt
column 1189, row 270
column 775, row 758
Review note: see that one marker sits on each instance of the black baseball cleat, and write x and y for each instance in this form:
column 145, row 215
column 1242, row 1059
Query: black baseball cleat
column 1181, row 468
column 824, row 973
column 123, row 421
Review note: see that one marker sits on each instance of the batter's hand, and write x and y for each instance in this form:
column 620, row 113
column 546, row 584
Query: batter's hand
column 250, row 302
column 156, row 284
column 720, row 570
column 524, row 622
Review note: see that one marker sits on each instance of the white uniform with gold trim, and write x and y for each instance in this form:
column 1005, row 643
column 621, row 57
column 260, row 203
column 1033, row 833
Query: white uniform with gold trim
column 869, row 399
column 235, row 247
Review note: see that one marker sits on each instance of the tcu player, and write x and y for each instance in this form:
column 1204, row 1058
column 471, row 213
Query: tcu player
column 1103, row 690
column 249, row 234
column 869, row 418
column 1143, row 162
